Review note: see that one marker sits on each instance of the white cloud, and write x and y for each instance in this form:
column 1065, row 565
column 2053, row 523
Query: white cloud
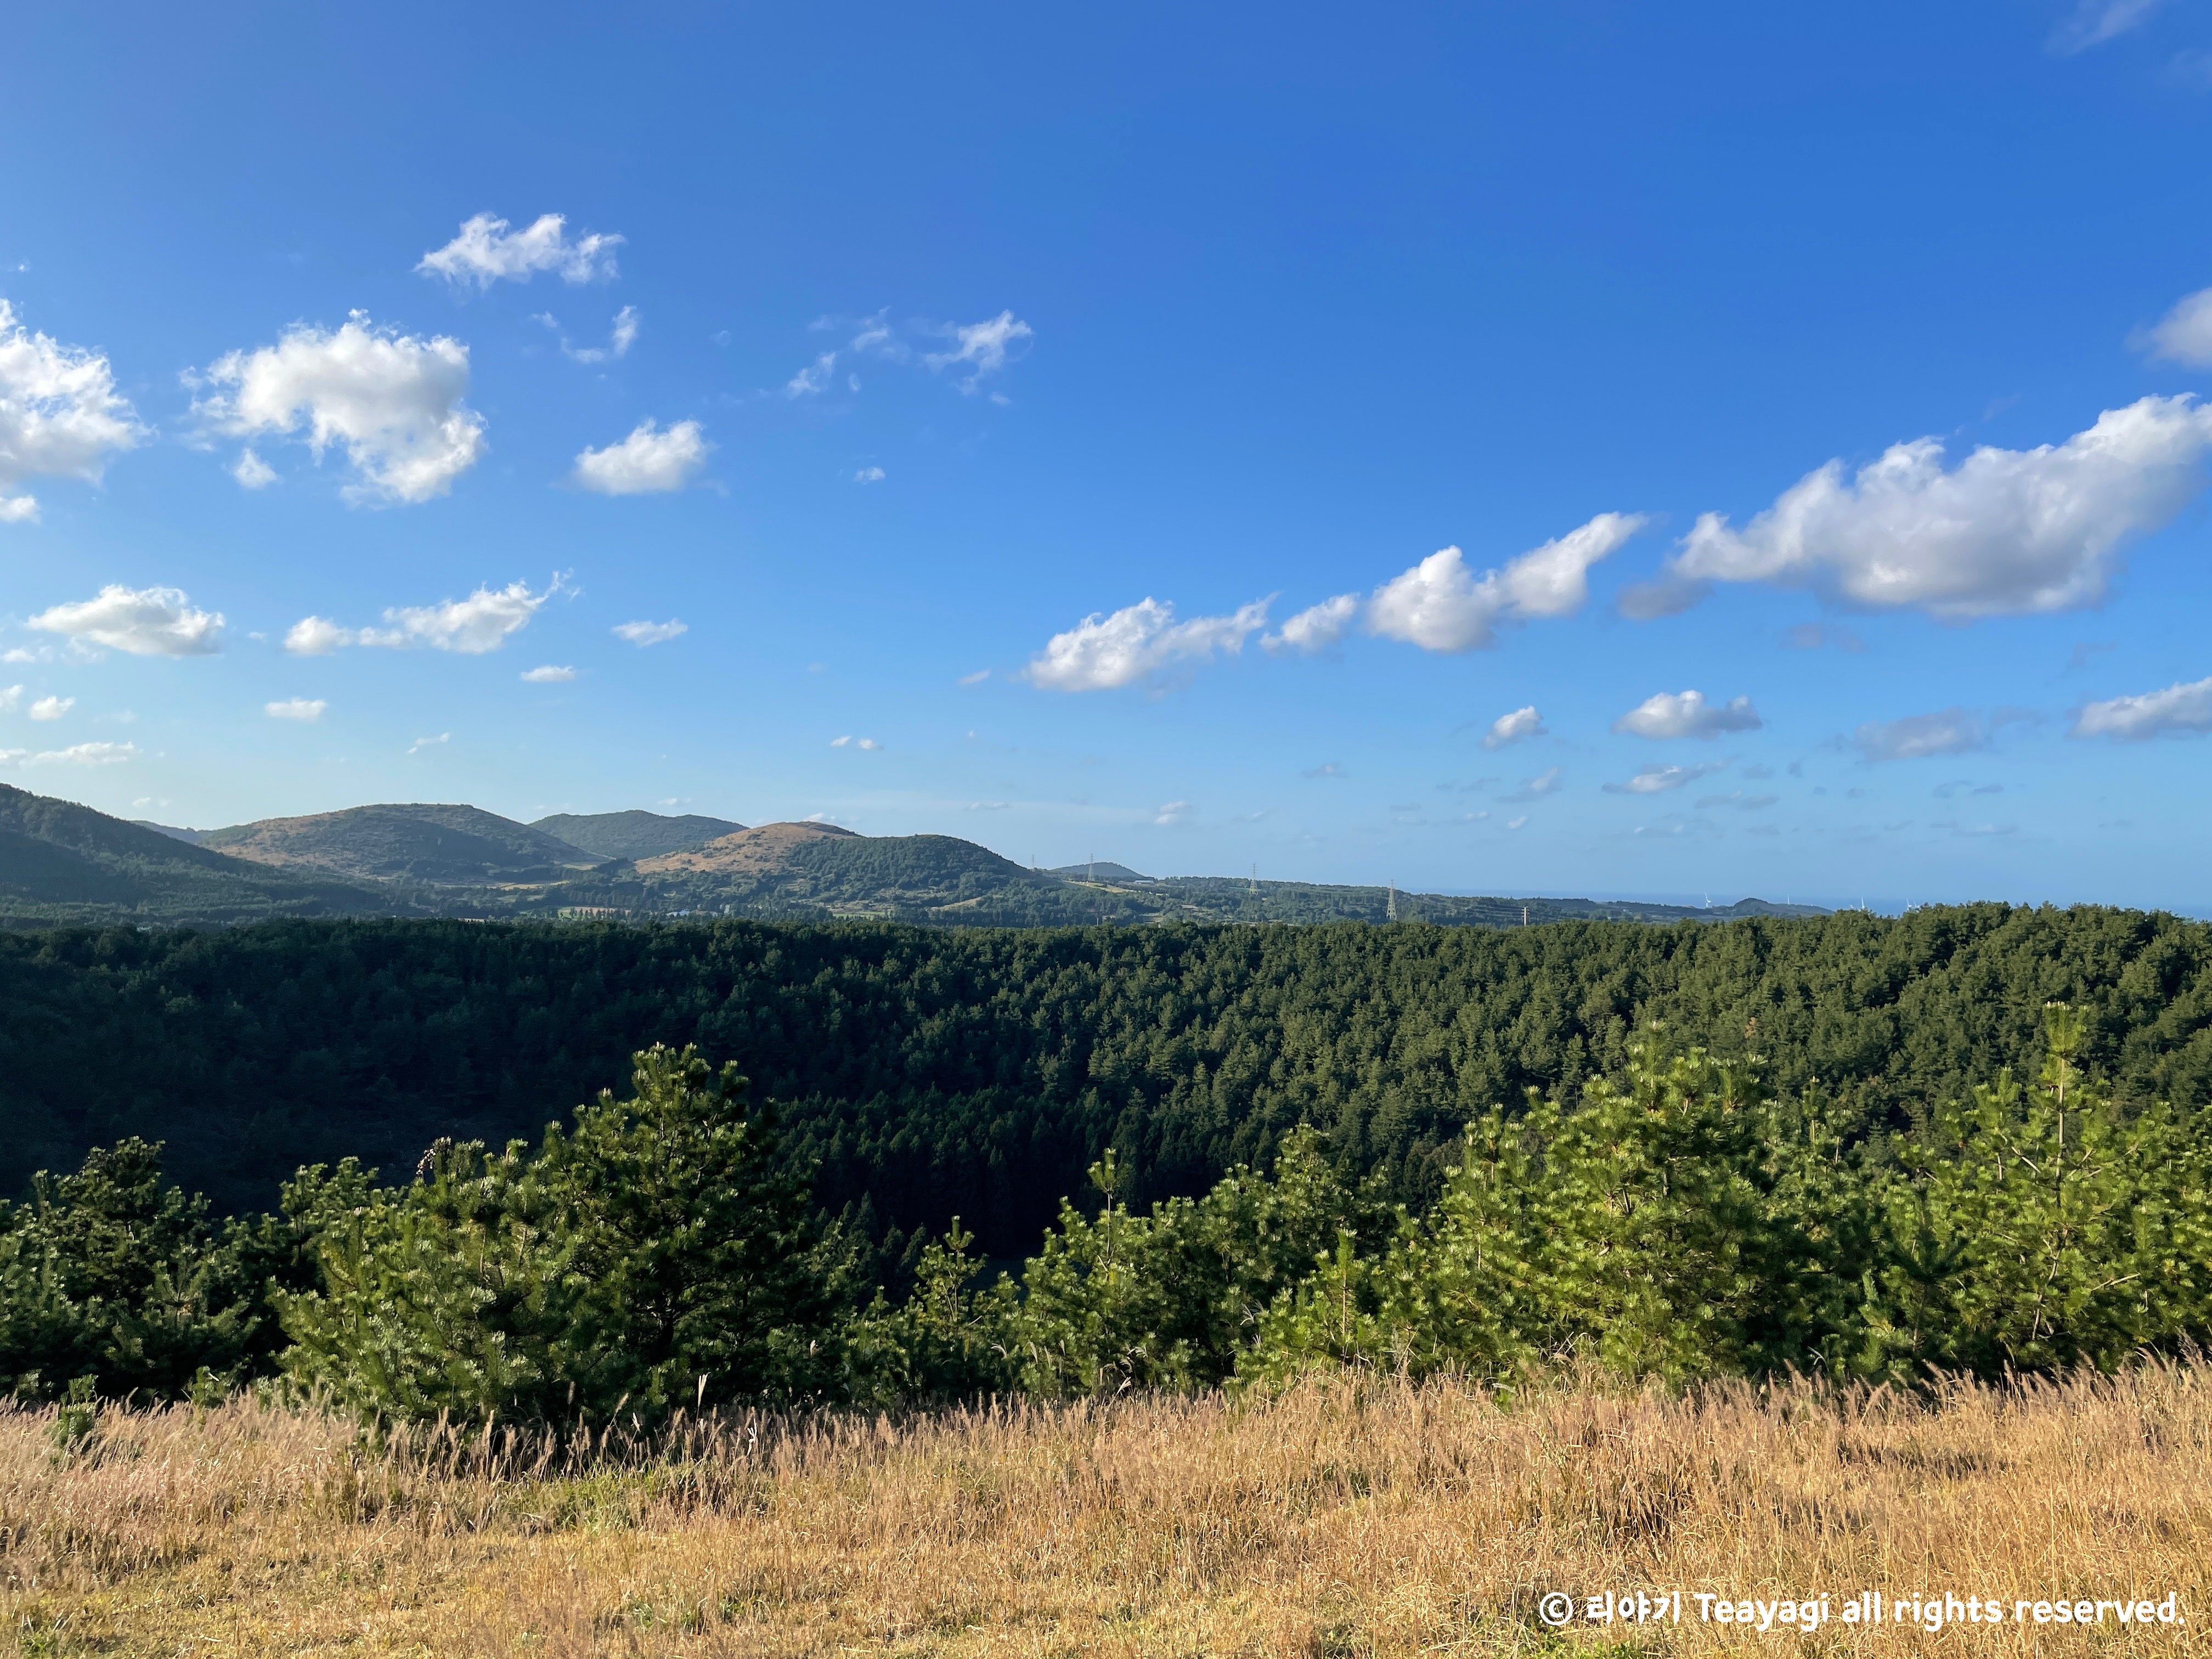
column 642, row 634
column 1317, row 626
column 1544, row 783
column 2093, row 22
column 1513, row 727
column 426, row 742
column 481, row 623
column 10, row 698
column 2184, row 333
column 840, row 743
column 392, row 400
column 1440, row 606
column 1688, row 714
column 14, row 756
column 983, row 346
column 1102, row 653
column 146, row 622
column 316, row 636
column 88, row 754
column 549, row 675
column 1656, row 780
column 2006, row 533
column 60, row 415
column 307, row 710
column 486, row 251
column 1514, row 823
column 646, row 461
column 51, row 708
column 814, row 378
column 869, row 475
column 2178, row 708
column 1946, row 731
column 1174, row 812
column 976, row 678
column 624, row 335
column 252, row 471
column 869, row 743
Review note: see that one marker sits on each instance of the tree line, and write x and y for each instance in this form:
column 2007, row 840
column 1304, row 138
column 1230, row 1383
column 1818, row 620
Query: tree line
column 1680, row 1219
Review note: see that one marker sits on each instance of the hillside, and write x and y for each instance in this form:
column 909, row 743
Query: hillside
column 60, row 862
column 1098, row 870
column 190, row 837
column 434, row 846
column 633, row 835
column 1228, row 899
column 821, row 871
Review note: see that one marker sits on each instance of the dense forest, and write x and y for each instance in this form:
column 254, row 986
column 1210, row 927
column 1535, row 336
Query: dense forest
column 935, row 1073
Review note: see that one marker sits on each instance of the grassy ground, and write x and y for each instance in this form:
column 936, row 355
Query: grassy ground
column 1338, row 1519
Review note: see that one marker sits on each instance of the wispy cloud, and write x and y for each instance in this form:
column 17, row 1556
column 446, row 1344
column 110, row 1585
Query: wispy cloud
column 549, row 674
column 482, row 622
column 1544, row 783
column 2093, row 22
column 2179, row 710
column 1521, row 724
column 486, row 251
column 642, row 634
column 1657, row 779
column 305, row 710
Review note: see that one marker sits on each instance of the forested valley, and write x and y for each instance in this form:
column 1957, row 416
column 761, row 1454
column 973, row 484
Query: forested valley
column 1969, row 1138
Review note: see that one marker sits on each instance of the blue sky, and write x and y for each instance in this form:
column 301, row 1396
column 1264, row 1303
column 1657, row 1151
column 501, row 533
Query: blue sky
column 1069, row 412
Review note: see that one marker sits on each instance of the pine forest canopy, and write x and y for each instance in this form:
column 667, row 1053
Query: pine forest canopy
column 929, row 1073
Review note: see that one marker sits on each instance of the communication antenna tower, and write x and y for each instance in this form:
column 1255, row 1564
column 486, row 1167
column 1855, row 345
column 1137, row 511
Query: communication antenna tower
column 1524, row 915
column 1390, row 910
column 1256, row 877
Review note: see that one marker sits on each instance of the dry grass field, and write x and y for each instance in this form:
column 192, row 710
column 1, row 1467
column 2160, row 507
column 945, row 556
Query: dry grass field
column 1341, row 1519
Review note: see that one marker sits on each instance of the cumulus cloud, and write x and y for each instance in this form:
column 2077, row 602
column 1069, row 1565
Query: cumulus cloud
column 869, row 475
column 1102, row 653
column 2093, row 22
column 1317, row 627
column 487, row 251
column 1688, row 714
column 10, row 698
column 647, row 461
column 51, row 708
column 549, row 675
column 1513, row 727
column 392, row 400
column 1656, row 780
column 307, row 710
column 1440, row 606
column 2178, row 710
column 481, row 623
column 2005, row 533
column 2184, row 335
column 60, row 415
column 982, row 346
column 1952, row 731
column 252, row 471
column 1174, row 812
column 642, row 634
column 146, row 622
column 813, row 379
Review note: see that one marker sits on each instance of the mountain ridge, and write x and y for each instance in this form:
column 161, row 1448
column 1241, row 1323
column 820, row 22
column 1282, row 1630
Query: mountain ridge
column 64, row 863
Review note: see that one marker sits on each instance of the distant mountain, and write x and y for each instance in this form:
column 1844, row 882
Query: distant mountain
column 190, row 837
column 60, row 862
column 433, row 846
column 1099, row 869
column 633, row 835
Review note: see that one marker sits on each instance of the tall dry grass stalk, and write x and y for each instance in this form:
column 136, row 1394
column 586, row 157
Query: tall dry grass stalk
column 1343, row 1518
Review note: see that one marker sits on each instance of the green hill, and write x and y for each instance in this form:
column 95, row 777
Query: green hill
column 60, row 862
column 1098, row 870
column 633, row 835
column 1225, row 898
column 432, row 846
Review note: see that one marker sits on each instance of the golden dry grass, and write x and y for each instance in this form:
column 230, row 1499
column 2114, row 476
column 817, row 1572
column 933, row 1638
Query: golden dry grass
column 1341, row 1519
